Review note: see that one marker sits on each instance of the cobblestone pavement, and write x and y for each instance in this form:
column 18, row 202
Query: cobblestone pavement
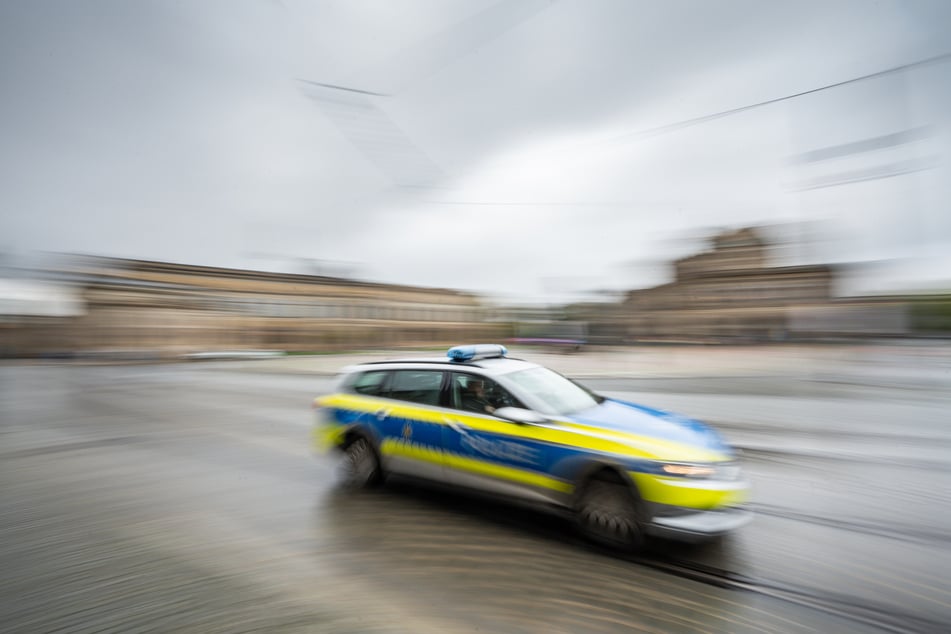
column 183, row 498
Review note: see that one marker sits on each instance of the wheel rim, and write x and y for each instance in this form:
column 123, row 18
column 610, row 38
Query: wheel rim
column 607, row 515
column 360, row 464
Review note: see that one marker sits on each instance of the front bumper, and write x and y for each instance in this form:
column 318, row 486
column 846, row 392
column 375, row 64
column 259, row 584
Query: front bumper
column 691, row 493
column 699, row 525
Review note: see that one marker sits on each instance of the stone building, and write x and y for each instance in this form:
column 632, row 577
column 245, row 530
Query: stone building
column 163, row 309
column 731, row 293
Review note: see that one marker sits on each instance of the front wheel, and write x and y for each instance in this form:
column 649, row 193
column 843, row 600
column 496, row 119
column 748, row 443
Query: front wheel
column 607, row 513
column 360, row 467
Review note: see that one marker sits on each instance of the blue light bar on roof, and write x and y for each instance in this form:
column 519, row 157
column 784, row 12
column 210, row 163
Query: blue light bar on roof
column 477, row 351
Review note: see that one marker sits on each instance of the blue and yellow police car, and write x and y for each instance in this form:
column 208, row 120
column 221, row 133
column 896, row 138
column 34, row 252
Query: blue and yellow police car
column 479, row 419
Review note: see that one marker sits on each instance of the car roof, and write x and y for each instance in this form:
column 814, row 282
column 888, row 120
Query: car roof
column 489, row 367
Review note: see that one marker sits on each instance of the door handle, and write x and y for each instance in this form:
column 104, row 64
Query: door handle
column 382, row 413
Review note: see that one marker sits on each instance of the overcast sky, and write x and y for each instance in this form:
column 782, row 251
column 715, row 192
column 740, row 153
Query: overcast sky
column 522, row 149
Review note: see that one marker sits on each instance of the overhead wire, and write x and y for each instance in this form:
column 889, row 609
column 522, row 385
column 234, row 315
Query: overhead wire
column 679, row 125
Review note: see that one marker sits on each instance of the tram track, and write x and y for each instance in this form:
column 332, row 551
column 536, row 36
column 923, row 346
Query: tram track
column 884, row 618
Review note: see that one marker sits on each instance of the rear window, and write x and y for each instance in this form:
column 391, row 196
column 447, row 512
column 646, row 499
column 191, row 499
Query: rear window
column 416, row 386
column 369, row 383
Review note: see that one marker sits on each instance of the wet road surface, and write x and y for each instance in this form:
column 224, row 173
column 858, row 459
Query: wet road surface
column 185, row 498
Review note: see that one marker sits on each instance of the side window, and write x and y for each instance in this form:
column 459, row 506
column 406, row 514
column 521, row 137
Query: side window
column 479, row 394
column 370, row 383
column 416, row 386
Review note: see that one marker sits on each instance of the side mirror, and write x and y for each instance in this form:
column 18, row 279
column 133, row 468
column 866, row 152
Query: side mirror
column 520, row 415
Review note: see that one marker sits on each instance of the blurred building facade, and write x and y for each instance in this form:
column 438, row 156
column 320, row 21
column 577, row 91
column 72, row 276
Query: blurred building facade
column 728, row 293
column 165, row 309
column 732, row 293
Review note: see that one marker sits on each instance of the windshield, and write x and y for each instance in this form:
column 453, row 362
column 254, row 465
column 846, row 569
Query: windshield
column 550, row 393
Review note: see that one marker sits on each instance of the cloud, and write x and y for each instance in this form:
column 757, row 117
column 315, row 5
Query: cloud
column 180, row 131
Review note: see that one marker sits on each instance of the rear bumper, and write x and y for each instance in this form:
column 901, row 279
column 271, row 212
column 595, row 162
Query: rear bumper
column 699, row 525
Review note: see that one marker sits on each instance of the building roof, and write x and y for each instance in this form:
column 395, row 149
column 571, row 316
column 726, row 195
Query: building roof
column 745, row 237
column 117, row 268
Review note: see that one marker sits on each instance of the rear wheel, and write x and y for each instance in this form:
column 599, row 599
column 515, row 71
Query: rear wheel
column 608, row 514
column 360, row 467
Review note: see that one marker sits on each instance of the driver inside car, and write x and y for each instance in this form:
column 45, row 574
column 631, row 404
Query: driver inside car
column 474, row 398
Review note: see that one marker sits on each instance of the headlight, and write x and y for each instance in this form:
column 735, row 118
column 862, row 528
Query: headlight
column 689, row 470
column 717, row 471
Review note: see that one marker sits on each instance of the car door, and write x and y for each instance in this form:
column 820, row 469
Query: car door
column 371, row 391
column 487, row 453
column 412, row 422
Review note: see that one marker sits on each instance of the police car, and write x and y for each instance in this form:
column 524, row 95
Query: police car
column 482, row 420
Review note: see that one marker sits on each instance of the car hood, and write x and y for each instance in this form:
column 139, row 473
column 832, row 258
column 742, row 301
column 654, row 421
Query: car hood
column 630, row 418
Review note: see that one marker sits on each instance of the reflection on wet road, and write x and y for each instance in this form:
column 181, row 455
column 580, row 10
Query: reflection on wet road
column 184, row 498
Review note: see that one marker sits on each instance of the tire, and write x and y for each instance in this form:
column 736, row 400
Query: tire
column 360, row 467
column 608, row 514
